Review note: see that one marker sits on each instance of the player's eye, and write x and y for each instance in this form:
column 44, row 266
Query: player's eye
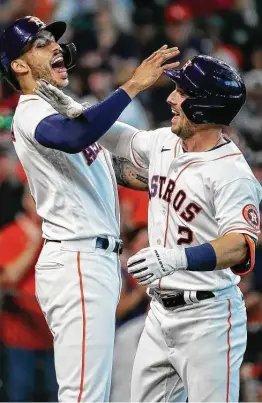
column 41, row 44
column 180, row 92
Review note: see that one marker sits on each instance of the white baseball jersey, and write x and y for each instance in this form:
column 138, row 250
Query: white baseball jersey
column 75, row 194
column 196, row 197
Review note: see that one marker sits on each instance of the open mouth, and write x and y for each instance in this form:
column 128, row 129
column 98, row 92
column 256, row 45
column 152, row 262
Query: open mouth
column 58, row 65
column 175, row 113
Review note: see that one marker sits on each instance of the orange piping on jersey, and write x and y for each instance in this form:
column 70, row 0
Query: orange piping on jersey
column 251, row 246
column 228, row 349
column 176, row 147
column 140, row 166
column 115, row 196
column 167, row 218
column 224, row 156
column 180, row 173
column 242, row 229
column 84, row 328
column 198, row 162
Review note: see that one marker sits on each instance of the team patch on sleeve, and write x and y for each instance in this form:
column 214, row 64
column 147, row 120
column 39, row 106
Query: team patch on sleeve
column 251, row 216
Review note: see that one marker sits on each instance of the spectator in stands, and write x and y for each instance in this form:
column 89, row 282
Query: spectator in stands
column 24, row 332
column 107, row 44
column 127, row 337
column 44, row 9
column 13, row 9
column 96, row 84
column 249, row 121
column 178, row 31
column 11, row 188
column 130, row 319
column 146, row 29
column 252, row 363
column 79, row 10
column 257, row 272
column 260, row 387
column 201, row 9
column 133, row 208
column 133, row 299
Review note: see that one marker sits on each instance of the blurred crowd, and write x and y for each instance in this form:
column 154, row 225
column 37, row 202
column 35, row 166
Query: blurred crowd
column 112, row 37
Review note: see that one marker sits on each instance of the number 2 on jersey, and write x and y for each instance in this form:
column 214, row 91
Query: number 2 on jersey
column 187, row 235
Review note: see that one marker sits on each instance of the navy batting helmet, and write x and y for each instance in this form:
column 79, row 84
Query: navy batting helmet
column 216, row 92
column 22, row 32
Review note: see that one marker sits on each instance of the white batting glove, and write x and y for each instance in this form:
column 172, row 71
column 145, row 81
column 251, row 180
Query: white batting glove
column 62, row 103
column 150, row 264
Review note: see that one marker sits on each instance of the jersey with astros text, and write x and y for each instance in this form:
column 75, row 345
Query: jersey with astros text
column 196, row 197
column 75, row 194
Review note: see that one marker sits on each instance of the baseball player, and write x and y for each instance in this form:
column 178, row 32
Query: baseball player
column 203, row 226
column 72, row 181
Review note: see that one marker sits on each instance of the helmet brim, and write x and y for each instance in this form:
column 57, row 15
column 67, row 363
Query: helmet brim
column 56, row 28
column 174, row 74
column 182, row 81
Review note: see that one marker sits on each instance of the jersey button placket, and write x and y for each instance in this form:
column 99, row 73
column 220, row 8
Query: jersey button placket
column 170, row 175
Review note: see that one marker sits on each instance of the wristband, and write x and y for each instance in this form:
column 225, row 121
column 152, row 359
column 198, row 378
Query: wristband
column 201, row 258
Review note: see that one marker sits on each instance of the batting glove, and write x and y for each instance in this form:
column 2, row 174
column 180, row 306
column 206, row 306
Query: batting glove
column 62, row 103
column 150, row 264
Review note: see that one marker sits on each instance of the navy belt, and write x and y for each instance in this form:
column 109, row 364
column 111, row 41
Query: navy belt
column 101, row 243
column 174, row 301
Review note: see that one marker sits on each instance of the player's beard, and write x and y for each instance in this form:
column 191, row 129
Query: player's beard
column 44, row 73
column 185, row 129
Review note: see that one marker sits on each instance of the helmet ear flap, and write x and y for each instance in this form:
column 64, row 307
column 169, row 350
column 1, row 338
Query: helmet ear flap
column 200, row 110
column 7, row 74
column 69, row 53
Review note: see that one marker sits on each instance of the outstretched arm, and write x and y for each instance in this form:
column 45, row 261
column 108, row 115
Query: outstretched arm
column 76, row 128
column 128, row 175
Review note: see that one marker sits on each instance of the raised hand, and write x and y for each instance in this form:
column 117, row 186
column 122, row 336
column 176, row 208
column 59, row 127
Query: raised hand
column 150, row 70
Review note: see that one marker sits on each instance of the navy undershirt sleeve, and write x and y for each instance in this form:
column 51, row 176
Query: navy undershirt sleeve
column 72, row 136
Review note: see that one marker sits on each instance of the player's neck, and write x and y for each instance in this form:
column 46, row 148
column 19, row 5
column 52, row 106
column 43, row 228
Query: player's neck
column 204, row 140
column 28, row 90
column 27, row 86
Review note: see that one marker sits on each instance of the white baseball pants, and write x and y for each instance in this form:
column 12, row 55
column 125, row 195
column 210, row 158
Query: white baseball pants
column 78, row 288
column 192, row 352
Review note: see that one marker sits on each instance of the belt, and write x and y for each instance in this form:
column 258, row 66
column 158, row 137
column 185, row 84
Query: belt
column 173, row 301
column 101, row 243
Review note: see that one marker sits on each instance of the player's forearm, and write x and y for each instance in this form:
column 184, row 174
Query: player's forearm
column 19, row 267
column 230, row 250
column 75, row 135
column 233, row 250
column 128, row 175
column 118, row 138
column 132, row 88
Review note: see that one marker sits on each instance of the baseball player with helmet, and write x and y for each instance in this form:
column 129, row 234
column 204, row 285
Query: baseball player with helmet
column 203, row 227
column 72, row 181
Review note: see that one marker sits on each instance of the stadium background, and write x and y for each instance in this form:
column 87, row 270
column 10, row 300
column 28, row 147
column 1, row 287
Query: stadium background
column 112, row 37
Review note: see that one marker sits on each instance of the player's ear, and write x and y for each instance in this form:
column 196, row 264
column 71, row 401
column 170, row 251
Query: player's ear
column 19, row 66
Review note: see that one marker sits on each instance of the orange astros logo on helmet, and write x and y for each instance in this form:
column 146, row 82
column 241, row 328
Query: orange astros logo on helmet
column 187, row 64
column 251, row 216
column 36, row 20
